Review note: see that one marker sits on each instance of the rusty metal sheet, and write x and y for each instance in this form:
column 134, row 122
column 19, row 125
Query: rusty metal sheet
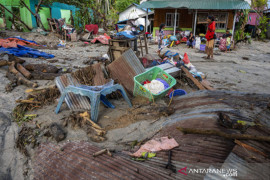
column 195, row 110
column 74, row 160
column 125, row 68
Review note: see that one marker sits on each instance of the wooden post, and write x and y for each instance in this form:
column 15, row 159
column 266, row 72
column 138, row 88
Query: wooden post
column 234, row 19
column 16, row 17
column 175, row 18
column 146, row 21
column 195, row 22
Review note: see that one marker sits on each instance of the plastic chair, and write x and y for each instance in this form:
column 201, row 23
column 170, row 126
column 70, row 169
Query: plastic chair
column 95, row 94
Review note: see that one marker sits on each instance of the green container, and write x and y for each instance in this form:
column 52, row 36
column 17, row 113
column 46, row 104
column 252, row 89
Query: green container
column 150, row 75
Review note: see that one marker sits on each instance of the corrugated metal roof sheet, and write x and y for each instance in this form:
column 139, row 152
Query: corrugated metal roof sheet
column 125, row 68
column 196, row 110
column 196, row 4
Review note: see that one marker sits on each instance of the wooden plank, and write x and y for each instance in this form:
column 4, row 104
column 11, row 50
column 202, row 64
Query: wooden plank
column 195, row 81
column 206, row 84
column 163, row 66
column 174, row 72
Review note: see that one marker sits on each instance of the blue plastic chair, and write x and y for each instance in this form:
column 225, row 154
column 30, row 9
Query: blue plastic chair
column 95, row 94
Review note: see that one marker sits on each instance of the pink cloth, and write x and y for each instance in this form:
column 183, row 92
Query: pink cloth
column 104, row 39
column 253, row 19
column 154, row 145
column 222, row 44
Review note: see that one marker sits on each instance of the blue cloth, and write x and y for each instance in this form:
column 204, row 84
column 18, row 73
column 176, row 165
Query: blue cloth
column 166, row 85
column 170, row 54
column 123, row 33
column 25, row 40
column 228, row 47
column 22, row 51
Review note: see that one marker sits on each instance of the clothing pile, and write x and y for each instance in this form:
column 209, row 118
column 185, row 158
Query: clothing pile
column 16, row 46
column 156, row 86
column 104, row 39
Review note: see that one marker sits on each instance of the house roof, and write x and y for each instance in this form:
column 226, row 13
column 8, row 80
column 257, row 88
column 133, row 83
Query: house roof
column 196, row 4
column 138, row 6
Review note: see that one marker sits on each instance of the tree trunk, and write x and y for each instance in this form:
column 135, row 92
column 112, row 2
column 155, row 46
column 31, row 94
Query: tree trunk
column 39, row 23
column 16, row 17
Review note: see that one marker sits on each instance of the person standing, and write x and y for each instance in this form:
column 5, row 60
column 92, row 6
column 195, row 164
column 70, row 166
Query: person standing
column 160, row 37
column 210, row 37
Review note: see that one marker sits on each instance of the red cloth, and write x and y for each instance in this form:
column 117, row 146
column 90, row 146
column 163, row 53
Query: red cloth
column 211, row 31
column 186, row 60
column 13, row 42
column 92, row 27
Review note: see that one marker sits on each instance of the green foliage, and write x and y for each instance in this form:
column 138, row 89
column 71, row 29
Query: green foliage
column 263, row 26
column 243, row 19
column 121, row 5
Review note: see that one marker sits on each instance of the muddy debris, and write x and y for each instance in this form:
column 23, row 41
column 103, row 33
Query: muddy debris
column 27, row 136
column 36, row 99
column 57, row 132
column 139, row 113
column 85, row 76
column 82, row 120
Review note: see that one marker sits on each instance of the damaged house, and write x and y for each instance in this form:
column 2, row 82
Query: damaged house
column 191, row 14
column 56, row 10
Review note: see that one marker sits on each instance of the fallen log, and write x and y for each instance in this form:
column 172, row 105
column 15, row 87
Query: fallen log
column 222, row 134
column 11, row 57
column 195, row 81
column 4, row 63
column 45, row 68
column 36, row 75
column 22, row 70
column 20, row 78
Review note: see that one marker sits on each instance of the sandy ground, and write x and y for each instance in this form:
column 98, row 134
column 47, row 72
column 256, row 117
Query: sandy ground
column 229, row 71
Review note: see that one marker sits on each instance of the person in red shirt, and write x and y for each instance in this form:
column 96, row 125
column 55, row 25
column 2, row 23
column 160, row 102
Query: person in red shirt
column 210, row 36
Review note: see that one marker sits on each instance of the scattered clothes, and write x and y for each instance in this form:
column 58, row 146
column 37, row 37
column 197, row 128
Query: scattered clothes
column 127, row 34
column 92, row 28
column 155, row 86
column 13, row 42
column 16, row 47
column 154, row 145
column 22, row 51
column 104, row 39
column 166, row 85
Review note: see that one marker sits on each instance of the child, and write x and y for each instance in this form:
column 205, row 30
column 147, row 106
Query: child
column 228, row 42
column 191, row 41
column 160, row 37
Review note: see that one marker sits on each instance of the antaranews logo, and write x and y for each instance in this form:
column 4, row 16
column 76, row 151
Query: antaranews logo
column 225, row 172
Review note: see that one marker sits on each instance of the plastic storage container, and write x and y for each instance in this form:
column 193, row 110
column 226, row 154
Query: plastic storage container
column 202, row 47
column 154, row 73
column 177, row 92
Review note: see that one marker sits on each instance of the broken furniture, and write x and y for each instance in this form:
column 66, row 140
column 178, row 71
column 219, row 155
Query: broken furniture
column 95, row 94
column 118, row 47
column 125, row 68
column 143, row 47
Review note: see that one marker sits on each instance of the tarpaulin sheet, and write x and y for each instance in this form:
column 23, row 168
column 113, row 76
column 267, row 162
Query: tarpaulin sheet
column 13, row 42
column 22, row 51
column 16, row 47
